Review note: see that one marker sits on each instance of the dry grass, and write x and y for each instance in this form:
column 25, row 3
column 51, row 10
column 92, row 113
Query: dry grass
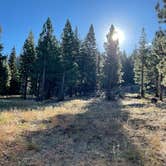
column 147, row 128
column 15, row 122
column 83, row 132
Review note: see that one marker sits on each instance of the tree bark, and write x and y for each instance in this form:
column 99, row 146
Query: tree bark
column 25, row 88
column 157, row 86
column 61, row 94
column 142, row 81
column 71, row 92
column 42, row 87
column 161, row 88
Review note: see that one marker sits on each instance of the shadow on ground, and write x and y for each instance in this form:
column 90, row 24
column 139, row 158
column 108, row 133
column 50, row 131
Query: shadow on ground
column 95, row 137
column 17, row 103
column 137, row 105
column 161, row 105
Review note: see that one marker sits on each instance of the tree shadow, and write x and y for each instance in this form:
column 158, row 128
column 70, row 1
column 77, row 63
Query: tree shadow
column 95, row 137
column 137, row 105
column 17, row 103
column 161, row 105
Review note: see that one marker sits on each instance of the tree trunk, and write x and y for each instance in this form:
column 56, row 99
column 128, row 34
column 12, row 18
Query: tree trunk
column 142, row 81
column 38, row 87
column 71, row 92
column 42, row 87
column 61, row 94
column 48, row 91
column 157, row 86
column 108, row 86
column 161, row 88
column 25, row 88
column 108, row 94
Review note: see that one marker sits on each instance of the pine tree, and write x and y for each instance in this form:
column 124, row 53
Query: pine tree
column 159, row 52
column 27, row 60
column 112, row 67
column 82, row 63
column 48, row 62
column 153, row 61
column 4, row 72
column 127, row 69
column 161, row 11
column 140, row 64
column 88, row 63
column 101, row 58
column 70, row 67
column 99, row 67
column 77, row 44
column 14, row 81
column 4, row 75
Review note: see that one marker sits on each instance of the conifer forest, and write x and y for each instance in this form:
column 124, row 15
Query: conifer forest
column 64, row 101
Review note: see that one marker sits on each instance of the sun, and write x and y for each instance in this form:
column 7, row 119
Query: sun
column 119, row 35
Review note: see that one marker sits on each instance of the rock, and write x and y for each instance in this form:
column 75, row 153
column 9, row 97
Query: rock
column 138, row 97
column 154, row 100
column 46, row 121
column 22, row 121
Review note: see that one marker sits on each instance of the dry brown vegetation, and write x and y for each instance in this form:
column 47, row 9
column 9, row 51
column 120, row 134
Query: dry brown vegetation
column 131, row 132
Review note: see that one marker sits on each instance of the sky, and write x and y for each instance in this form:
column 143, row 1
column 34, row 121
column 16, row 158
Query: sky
column 18, row 17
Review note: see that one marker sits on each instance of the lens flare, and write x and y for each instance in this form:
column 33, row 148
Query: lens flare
column 119, row 35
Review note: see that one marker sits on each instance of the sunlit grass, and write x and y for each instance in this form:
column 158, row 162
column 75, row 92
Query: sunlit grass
column 14, row 122
column 144, row 128
column 147, row 129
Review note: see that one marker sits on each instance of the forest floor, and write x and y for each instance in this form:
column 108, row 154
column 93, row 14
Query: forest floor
column 83, row 132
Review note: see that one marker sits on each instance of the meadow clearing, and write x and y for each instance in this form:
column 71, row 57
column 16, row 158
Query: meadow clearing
column 82, row 132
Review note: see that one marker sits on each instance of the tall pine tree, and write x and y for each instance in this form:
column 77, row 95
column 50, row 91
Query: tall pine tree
column 70, row 67
column 153, row 61
column 88, row 63
column 77, row 44
column 48, row 62
column 159, row 49
column 161, row 12
column 27, row 60
column 14, row 81
column 4, row 72
column 127, row 69
column 112, row 67
column 140, row 64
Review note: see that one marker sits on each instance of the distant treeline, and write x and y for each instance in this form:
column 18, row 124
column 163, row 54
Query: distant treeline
column 72, row 66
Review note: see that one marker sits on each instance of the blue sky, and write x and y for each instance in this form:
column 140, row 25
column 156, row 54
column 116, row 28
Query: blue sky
column 18, row 17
